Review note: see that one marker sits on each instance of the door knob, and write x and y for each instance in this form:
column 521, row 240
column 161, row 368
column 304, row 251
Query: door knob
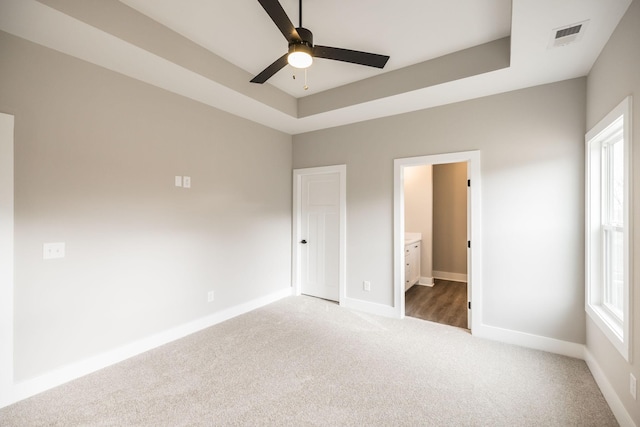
column 304, row 242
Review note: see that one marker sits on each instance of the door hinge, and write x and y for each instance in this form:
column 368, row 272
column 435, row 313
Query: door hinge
column 469, row 305
column 469, row 244
column 468, row 183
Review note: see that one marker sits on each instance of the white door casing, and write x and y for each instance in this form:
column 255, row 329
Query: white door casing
column 319, row 248
column 474, row 276
column 6, row 259
column 469, row 199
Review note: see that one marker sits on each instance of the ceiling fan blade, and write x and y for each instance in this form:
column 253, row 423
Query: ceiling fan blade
column 280, row 18
column 266, row 74
column 353, row 56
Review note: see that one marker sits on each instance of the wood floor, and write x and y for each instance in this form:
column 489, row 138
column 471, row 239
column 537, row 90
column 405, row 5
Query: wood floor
column 445, row 302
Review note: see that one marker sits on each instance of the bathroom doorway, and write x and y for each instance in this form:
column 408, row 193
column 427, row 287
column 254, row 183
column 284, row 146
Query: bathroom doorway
column 436, row 207
column 435, row 218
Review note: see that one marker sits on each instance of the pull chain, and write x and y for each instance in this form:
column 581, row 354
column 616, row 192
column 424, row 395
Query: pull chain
column 306, row 80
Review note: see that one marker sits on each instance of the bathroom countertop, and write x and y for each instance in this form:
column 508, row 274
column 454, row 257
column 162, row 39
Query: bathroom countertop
column 410, row 238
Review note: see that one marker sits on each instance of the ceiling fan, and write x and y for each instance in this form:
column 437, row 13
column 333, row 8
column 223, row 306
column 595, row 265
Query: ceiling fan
column 301, row 49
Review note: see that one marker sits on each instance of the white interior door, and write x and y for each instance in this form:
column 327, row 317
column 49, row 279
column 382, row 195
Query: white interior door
column 320, row 232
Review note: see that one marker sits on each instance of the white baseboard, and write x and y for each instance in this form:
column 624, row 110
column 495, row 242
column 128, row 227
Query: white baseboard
column 369, row 307
column 610, row 395
column 454, row 277
column 508, row 336
column 565, row 348
column 426, row 281
column 524, row 339
column 70, row 372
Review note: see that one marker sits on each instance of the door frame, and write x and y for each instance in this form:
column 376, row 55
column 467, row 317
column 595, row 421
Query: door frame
column 474, row 264
column 341, row 170
column 6, row 260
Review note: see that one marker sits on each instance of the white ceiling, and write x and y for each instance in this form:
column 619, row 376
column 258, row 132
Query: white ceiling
column 409, row 31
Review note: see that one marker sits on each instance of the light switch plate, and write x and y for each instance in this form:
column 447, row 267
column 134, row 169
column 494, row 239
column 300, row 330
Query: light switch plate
column 53, row 250
column 178, row 181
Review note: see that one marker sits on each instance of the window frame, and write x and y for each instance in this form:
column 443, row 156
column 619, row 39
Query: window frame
column 597, row 199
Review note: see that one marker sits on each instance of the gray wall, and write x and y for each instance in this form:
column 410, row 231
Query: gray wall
column 532, row 150
column 615, row 75
column 95, row 159
column 450, row 218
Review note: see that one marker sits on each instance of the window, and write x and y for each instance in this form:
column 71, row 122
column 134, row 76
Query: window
column 608, row 172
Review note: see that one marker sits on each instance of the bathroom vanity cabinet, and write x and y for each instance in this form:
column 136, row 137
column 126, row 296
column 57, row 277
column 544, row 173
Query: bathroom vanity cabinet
column 412, row 263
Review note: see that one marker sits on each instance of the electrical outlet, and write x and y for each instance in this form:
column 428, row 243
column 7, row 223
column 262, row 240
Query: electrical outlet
column 186, row 181
column 210, row 296
column 53, row 250
column 632, row 386
column 366, row 285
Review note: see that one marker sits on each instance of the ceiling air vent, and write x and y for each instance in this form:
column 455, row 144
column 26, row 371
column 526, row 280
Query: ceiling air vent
column 567, row 35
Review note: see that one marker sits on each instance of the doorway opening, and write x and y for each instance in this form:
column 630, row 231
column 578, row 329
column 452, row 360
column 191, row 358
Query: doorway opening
column 435, row 215
column 463, row 289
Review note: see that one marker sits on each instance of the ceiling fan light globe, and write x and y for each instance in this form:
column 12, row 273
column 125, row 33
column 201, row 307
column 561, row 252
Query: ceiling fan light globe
column 299, row 55
column 300, row 59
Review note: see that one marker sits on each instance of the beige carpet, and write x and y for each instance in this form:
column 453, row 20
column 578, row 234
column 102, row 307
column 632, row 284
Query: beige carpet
column 307, row 362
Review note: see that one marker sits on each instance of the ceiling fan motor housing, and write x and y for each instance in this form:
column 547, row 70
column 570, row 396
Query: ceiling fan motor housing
column 306, row 38
column 301, row 50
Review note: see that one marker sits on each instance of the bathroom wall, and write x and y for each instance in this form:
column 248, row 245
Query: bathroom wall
column 450, row 221
column 418, row 213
